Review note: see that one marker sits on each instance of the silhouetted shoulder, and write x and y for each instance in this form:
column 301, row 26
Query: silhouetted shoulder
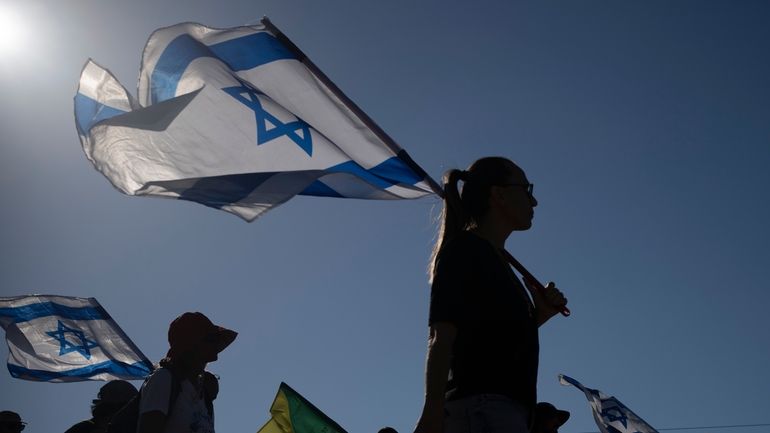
column 463, row 244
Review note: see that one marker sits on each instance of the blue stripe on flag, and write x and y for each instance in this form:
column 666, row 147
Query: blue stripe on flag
column 120, row 369
column 320, row 189
column 218, row 191
column 239, row 54
column 88, row 112
column 43, row 309
column 390, row 172
column 353, row 168
column 250, row 51
column 172, row 64
column 397, row 171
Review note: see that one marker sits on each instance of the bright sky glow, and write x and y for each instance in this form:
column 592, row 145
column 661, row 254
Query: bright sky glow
column 644, row 126
column 11, row 31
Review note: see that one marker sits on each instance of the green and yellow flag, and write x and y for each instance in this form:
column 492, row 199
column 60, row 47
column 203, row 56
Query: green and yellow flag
column 291, row 413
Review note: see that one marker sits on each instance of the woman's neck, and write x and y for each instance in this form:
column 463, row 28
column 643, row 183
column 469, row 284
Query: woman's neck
column 495, row 235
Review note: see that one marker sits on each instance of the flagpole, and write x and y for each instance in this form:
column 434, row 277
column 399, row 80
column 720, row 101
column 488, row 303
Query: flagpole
column 379, row 132
column 564, row 310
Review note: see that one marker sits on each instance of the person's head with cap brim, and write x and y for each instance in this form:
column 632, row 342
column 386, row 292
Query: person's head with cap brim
column 194, row 339
column 548, row 419
column 111, row 397
column 10, row 422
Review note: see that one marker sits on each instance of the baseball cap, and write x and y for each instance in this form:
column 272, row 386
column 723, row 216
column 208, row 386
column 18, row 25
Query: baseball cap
column 189, row 329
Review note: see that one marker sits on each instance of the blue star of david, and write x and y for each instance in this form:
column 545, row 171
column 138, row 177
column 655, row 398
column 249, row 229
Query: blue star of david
column 66, row 346
column 615, row 414
column 247, row 95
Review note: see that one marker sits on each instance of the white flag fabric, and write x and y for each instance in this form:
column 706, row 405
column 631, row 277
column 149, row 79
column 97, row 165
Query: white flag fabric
column 65, row 339
column 610, row 414
column 236, row 119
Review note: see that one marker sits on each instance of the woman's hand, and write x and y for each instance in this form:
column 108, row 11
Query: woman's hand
column 549, row 301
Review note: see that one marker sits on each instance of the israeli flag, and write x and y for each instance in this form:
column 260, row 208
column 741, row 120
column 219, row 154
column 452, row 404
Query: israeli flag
column 610, row 414
column 65, row 339
column 239, row 120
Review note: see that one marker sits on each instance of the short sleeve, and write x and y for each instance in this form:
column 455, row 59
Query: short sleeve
column 156, row 392
column 449, row 282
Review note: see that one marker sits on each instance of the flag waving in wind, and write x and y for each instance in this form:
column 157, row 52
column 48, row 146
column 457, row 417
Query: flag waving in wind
column 610, row 414
column 237, row 119
column 291, row 413
column 64, row 339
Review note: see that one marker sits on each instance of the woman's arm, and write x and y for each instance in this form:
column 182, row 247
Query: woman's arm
column 440, row 342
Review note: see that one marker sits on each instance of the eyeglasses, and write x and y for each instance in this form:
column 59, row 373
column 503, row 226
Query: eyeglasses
column 529, row 186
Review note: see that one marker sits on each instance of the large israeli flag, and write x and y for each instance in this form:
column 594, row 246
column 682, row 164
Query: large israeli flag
column 65, row 339
column 237, row 119
column 610, row 414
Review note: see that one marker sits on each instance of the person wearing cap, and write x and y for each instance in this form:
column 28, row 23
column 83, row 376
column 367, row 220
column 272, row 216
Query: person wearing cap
column 10, row 422
column 111, row 397
column 548, row 419
column 177, row 398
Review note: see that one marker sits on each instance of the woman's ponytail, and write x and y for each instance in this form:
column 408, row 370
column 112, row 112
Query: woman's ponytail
column 454, row 217
column 466, row 211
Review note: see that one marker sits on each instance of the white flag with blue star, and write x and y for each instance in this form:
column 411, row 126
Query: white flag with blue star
column 65, row 339
column 610, row 414
column 236, row 119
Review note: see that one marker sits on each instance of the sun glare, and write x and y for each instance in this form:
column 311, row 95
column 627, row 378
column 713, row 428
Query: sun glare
column 11, row 31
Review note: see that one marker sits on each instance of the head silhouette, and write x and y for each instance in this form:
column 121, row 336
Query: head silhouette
column 10, row 422
column 494, row 192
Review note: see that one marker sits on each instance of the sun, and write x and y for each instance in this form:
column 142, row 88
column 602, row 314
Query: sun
column 11, row 31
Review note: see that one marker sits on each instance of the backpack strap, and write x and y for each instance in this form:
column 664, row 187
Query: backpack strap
column 210, row 384
column 176, row 388
column 127, row 418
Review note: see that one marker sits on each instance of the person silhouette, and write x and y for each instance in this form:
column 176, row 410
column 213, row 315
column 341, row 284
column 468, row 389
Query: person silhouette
column 111, row 397
column 194, row 341
column 482, row 360
column 10, row 422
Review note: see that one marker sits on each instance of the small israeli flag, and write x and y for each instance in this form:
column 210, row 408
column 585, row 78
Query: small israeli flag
column 66, row 339
column 239, row 120
column 610, row 414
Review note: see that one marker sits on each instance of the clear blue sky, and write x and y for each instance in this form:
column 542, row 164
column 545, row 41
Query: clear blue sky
column 645, row 127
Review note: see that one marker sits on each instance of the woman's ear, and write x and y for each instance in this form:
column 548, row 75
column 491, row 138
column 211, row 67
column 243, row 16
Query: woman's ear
column 496, row 195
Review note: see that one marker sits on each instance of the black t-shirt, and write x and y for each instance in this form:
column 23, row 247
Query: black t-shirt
column 496, row 348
